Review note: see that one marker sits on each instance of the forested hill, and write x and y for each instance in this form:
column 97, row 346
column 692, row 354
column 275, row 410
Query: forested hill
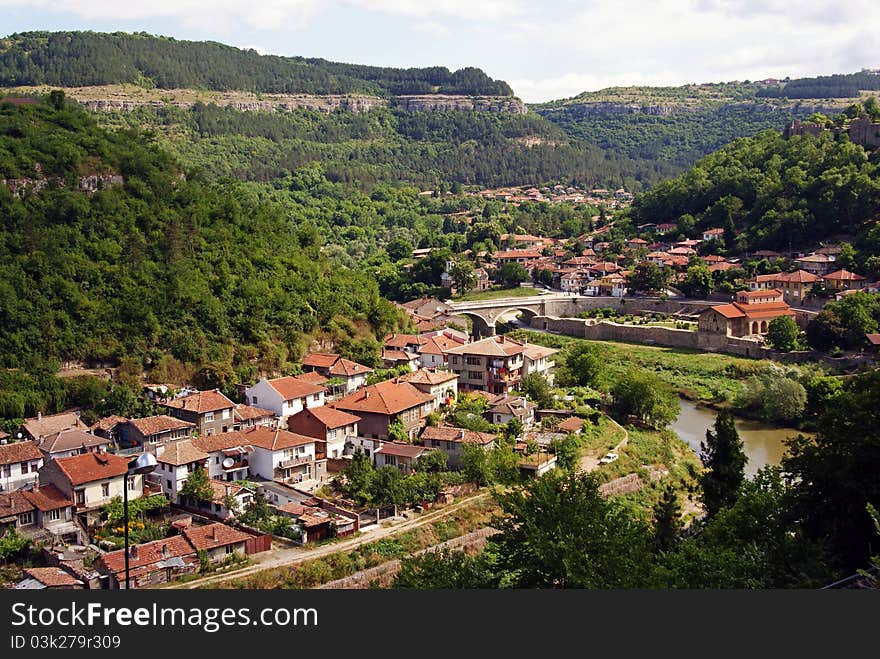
column 156, row 267
column 775, row 193
column 77, row 59
column 842, row 85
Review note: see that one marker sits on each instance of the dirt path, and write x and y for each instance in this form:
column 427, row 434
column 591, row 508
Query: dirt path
column 293, row 555
column 590, row 462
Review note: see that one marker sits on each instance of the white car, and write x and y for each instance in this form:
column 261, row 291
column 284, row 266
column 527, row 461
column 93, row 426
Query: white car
column 609, row 458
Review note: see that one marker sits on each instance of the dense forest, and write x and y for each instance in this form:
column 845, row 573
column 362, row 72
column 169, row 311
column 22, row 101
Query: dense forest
column 164, row 266
column 839, row 85
column 78, row 59
column 385, row 145
column 774, row 192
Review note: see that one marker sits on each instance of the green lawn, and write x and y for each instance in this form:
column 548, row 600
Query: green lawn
column 522, row 291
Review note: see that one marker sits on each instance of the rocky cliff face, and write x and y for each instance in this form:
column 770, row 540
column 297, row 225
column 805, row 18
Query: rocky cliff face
column 88, row 184
column 440, row 102
column 607, row 109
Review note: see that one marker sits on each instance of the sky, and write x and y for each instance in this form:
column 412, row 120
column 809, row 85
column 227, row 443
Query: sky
column 546, row 50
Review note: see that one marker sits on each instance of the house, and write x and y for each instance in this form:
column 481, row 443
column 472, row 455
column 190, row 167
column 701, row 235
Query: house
column 516, row 256
column 39, row 578
column 69, row 442
column 795, row 286
column 248, row 416
column 844, row 280
column 228, row 455
column 768, row 254
column 536, row 359
column 817, row 264
column 108, row 427
column 218, row 541
column 607, row 286
column 150, row 563
column 666, row 227
column 335, row 367
column 392, row 358
column 19, row 463
column 40, row 425
column 636, row 243
column 16, row 512
column 285, row 396
column 505, row 408
column 407, row 342
column 53, row 513
column 482, row 281
column 317, row 523
column 381, row 404
column 750, row 314
column 572, row 425
column 536, row 464
column 442, row 385
column 154, row 430
column 873, row 340
column 210, row 411
column 176, row 461
column 92, row 480
column 402, row 456
column 433, row 353
column 283, row 455
column 573, row 282
column 493, row 364
column 713, row 234
column 451, row 441
column 325, row 424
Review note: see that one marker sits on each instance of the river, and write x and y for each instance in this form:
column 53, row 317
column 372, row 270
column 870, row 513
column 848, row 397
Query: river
column 762, row 443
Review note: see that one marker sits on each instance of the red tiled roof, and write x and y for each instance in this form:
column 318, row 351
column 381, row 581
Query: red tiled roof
column 214, row 535
column 571, row 424
column 19, row 452
column 493, row 346
column 53, row 423
column 347, row 368
column 770, row 310
column 716, row 267
column 90, row 467
column 459, row 435
column 148, row 554
column 47, row 497
column 403, row 340
column 291, row 388
column 873, row 339
column 428, row 376
column 72, row 438
column 244, row 412
column 438, row 345
column 219, row 442
column 52, row 577
column 844, row 275
column 273, row 439
column 159, row 423
column 181, row 452
column 759, row 294
column 314, row 378
column 108, row 423
column 517, row 254
column 398, row 355
column 320, row 359
column 201, row 402
column 14, row 503
column 402, row 450
column 330, row 417
column 729, row 311
column 386, row 397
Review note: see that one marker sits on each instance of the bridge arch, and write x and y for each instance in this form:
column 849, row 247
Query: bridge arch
column 482, row 326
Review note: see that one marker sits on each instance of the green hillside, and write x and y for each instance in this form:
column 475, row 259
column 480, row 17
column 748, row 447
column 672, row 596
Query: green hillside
column 77, row 59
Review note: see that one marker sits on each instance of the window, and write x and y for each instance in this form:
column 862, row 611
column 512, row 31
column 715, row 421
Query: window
column 331, row 434
column 209, row 416
column 80, row 497
column 472, row 361
column 52, row 515
column 7, row 470
column 229, row 549
column 300, row 450
column 130, row 480
column 475, row 375
column 209, row 431
column 316, row 396
column 24, row 467
column 224, row 414
column 168, row 485
column 105, row 489
column 253, row 400
column 454, row 359
column 35, row 467
column 26, row 518
column 217, row 507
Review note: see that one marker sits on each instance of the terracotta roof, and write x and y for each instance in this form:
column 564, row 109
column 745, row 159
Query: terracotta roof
column 514, row 405
column 214, row 535
column 320, row 359
column 460, row 435
column 398, row 355
column 244, row 412
column 428, row 376
column 293, row 507
column 770, row 310
column 146, row 555
column 517, row 254
column 533, row 351
column 47, row 497
column 402, row 450
column 493, row 346
column 386, row 397
column 347, row 368
column 571, row 424
column 291, row 388
column 314, row 378
column 403, row 340
column 723, row 266
column 331, row 418
column 729, row 311
column 681, row 251
column 53, row 423
column 873, row 339
column 219, row 442
column 90, row 467
column 14, row 503
column 160, row 423
column 844, row 275
column 201, row 402
column 19, row 452
column 181, row 452
column 67, row 440
column 52, row 577
column 438, row 345
column 816, row 258
column 273, row 439
column 714, row 232
column 713, row 258
column 108, row 423
column 767, row 292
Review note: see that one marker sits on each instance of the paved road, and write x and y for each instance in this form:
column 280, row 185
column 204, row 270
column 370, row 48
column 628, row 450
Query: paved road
column 293, row 555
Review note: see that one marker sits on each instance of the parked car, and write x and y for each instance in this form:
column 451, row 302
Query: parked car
column 609, row 458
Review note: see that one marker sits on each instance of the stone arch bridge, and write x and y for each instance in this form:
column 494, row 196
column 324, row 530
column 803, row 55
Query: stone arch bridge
column 485, row 313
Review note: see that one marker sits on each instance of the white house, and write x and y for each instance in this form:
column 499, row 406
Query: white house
column 285, row 396
column 176, row 461
column 284, row 455
column 536, row 359
column 228, row 455
column 442, row 385
column 19, row 464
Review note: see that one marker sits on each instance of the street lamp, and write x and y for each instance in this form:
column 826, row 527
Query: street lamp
column 143, row 464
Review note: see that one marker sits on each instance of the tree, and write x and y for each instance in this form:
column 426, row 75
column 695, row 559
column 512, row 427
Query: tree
column 584, row 364
column 463, row 277
column 667, row 521
column 567, row 452
column 783, row 334
column 198, row 486
column 536, row 387
column 257, row 510
column 398, row 249
column 557, row 531
column 510, row 275
column 432, row 462
column 644, row 395
column 698, row 281
column 724, row 459
column 397, row 431
column 359, row 477
column 444, row 569
column 475, row 464
column 647, row 277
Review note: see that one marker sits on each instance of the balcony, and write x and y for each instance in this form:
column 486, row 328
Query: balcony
column 295, row 462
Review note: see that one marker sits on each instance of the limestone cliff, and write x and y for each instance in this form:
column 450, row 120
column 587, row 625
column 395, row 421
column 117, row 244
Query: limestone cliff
column 435, row 102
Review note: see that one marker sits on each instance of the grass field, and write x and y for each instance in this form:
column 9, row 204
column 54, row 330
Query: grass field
column 494, row 294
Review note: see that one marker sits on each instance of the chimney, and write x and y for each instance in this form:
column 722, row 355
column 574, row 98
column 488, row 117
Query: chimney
column 214, row 532
column 39, row 415
column 462, row 434
column 133, row 552
column 228, row 490
column 164, row 551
